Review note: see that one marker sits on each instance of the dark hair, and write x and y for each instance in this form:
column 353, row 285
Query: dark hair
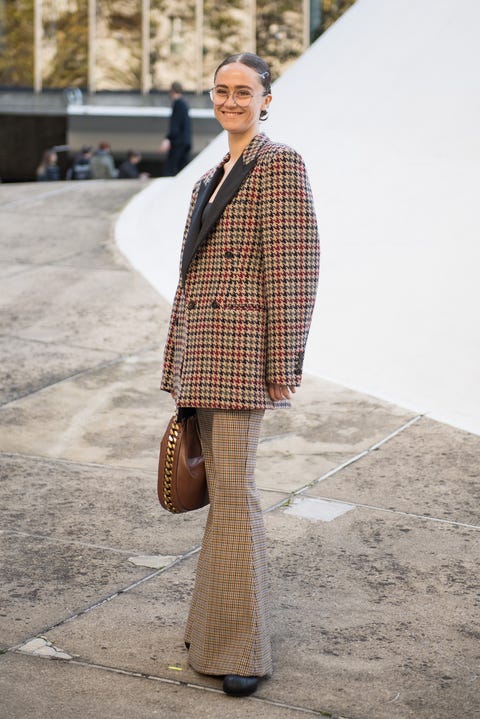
column 256, row 63
column 176, row 87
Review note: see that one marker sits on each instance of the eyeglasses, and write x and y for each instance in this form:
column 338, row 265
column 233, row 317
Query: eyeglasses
column 241, row 97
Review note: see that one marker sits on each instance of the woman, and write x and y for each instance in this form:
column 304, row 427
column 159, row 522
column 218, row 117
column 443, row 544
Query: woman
column 48, row 170
column 235, row 346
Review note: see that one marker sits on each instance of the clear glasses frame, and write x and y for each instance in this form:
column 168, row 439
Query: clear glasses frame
column 241, row 97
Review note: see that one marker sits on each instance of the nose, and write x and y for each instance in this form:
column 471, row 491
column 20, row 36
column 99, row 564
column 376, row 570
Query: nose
column 231, row 101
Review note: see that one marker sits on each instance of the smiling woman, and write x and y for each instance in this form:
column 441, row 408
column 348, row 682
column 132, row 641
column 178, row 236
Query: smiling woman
column 235, row 347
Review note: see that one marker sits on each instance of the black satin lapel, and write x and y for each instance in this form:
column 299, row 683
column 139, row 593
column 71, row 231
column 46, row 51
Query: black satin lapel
column 204, row 194
column 228, row 190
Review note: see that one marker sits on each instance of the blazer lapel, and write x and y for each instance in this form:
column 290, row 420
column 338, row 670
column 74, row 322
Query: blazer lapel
column 198, row 233
column 204, row 194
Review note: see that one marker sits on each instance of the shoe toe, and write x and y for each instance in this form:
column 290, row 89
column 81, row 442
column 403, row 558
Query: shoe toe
column 238, row 686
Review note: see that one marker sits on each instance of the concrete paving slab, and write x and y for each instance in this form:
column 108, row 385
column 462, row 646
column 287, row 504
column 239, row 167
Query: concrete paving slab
column 374, row 612
column 41, row 688
column 117, row 299
column 7, row 268
column 432, row 469
column 141, row 630
column 54, row 237
column 372, row 617
column 375, row 615
column 326, row 425
column 20, row 193
column 113, row 414
column 105, row 508
column 26, row 366
column 44, row 582
column 94, row 198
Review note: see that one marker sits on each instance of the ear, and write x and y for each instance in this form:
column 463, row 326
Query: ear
column 266, row 102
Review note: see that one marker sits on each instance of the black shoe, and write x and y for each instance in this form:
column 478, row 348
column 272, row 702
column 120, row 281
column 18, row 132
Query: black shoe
column 238, row 686
column 187, row 644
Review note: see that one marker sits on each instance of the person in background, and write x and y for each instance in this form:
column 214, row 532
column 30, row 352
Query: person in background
column 48, row 170
column 178, row 141
column 80, row 169
column 129, row 168
column 102, row 166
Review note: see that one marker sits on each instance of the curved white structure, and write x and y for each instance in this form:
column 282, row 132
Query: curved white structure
column 385, row 109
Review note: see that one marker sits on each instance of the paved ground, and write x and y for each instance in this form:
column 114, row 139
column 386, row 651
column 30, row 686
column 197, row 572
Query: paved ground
column 375, row 612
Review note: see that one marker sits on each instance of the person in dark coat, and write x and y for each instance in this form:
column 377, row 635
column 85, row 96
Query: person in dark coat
column 128, row 170
column 178, row 141
column 80, row 169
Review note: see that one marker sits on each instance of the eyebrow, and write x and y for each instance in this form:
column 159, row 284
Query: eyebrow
column 236, row 87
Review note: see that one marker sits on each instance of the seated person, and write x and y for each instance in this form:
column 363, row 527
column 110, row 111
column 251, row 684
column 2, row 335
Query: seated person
column 129, row 169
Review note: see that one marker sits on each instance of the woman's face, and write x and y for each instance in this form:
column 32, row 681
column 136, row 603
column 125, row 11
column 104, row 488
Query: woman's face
column 232, row 117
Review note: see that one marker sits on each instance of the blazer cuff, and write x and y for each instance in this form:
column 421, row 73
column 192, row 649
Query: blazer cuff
column 291, row 376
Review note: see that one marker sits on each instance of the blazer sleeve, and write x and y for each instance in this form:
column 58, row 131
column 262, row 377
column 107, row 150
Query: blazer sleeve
column 291, row 259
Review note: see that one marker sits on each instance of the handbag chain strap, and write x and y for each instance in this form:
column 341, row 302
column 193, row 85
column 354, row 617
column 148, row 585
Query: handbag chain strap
column 169, row 455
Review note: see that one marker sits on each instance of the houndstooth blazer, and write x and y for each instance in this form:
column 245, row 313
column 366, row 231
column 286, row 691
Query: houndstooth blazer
column 248, row 282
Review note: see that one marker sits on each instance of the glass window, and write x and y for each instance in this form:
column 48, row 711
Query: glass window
column 173, row 43
column 65, row 43
column 279, row 32
column 118, row 45
column 16, row 43
column 227, row 30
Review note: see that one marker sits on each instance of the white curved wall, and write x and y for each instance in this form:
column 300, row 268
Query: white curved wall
column 385, row 109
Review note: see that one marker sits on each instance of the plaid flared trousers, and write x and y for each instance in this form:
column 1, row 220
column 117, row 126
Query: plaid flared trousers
column 228, row 624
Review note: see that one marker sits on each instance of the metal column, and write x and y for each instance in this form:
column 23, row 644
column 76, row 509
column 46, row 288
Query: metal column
column 37, row 45
column 146, row 80
column 92, row 42
column 199, row 45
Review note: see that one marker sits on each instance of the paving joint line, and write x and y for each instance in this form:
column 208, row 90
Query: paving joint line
column 76, row 542
column 33, row 200
column 36, row 340
column 196, row 549
column 76, row 462
column 194, row 685
column 81, row 373
column 108, row 598
column 401, row 512
column 348, row 462
column 114, row 595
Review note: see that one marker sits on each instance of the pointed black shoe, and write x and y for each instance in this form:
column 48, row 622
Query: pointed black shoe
column 187, row 644
column 238, row 686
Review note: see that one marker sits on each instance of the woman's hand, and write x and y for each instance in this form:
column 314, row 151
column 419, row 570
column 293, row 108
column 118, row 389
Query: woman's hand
column 279, row 392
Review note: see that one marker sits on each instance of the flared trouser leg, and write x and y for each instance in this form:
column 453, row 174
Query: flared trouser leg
column 228, row 625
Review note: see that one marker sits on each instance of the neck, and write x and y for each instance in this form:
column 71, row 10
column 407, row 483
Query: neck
column 237, row 143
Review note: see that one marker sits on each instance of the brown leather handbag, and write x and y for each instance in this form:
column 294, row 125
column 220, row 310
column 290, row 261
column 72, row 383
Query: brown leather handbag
column 182, row 482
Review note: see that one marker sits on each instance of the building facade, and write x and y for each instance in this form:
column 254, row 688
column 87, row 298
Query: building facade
column 143, row 45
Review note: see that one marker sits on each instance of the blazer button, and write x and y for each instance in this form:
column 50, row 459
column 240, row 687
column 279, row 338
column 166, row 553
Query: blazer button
column 229, row 255
column 215, row 305
column 191, row 305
